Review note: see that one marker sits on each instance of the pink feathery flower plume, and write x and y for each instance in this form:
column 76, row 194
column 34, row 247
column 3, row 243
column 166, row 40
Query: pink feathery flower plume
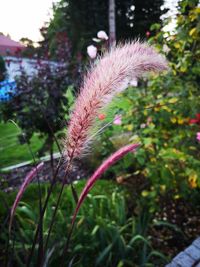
column 98, row 173
column 109, row 76
column 28, row 179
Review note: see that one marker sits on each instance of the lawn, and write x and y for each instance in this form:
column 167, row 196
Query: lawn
column 12, row 152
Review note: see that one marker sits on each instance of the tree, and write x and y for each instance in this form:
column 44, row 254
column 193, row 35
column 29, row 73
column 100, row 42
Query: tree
column 135, row 17
column 82, row 19
column 112, row 23
column 30, row 50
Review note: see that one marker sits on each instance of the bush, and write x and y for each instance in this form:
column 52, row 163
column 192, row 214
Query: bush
column 2, row 69
column 165, row 117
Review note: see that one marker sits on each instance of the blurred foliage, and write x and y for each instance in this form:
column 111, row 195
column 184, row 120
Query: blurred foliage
column 41, row 103
column 162, row 114
column 30, row 50
column 2, row 69
column 81, row 20
column 12, row 151
column 105, row 235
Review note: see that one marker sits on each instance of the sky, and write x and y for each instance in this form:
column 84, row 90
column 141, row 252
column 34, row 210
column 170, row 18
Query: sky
column 24, row 18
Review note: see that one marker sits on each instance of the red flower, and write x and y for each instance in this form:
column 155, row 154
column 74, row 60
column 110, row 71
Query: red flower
column 101, row 117
column 195, row 121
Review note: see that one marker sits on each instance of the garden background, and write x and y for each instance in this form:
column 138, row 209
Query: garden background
column 146, row 208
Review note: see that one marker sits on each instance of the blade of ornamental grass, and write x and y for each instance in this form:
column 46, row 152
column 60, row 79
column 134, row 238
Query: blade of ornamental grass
column 28, row 179
column 98, row 173
column 90, row 183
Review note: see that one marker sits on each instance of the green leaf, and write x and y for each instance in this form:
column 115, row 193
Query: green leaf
column 103, row 254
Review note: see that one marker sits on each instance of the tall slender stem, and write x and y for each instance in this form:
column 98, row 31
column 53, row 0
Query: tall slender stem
column 57, row 204
column 42, row 213
column 67, row 244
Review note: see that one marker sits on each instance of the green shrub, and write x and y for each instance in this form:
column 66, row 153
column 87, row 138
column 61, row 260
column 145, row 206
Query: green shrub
column 162, row 113
column 2, row 69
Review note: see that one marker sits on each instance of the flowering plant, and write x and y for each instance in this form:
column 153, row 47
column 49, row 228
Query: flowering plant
column 196, row 120
column 101, row 84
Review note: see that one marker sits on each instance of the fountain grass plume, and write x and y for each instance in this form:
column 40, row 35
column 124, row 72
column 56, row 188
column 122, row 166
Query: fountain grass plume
column 107, row 77
column 28, row 179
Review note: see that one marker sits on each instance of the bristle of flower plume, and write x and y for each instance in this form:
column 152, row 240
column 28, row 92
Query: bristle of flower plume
column 109, row 76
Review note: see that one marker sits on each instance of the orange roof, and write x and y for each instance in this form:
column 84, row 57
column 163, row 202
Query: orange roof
column 10, row 47
column 6, row 41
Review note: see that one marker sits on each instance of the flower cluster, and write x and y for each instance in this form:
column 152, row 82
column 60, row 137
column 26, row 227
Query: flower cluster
column 91, row 49
column 197, row 122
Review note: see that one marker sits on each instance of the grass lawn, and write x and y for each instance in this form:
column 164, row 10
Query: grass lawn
column 11, row 151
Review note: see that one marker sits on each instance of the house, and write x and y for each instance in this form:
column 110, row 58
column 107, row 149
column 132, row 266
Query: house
column 9, row 47
column 15, row 63
column 14, row 66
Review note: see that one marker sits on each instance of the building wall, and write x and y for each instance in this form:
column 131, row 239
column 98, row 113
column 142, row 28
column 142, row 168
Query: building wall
column 5, row 50
column 14, row 64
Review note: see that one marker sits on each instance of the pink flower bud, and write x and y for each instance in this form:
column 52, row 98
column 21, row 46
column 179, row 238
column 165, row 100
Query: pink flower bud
column 148, row 34
column 117, row 120
column 198, row 136
column 102, row 35
column 92, row 51
column 149, row 120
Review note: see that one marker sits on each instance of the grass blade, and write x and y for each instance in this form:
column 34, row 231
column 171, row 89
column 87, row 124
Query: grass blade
column 23, row 187
column 98, row 173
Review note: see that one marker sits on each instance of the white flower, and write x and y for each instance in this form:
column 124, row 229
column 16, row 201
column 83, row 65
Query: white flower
column 166, row 49
column 96, row 40
column 102, row 35
column 92, row 51
column 143, row 125
column 133, row 82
